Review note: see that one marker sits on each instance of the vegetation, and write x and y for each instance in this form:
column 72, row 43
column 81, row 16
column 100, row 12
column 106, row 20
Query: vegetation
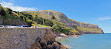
column 84, row 29
column 42, row 25
column 2, row 12
column 60, row 28
column 8, row 11
column 53, row 17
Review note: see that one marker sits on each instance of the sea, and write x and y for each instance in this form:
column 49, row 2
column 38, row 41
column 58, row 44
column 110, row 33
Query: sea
column 88, row 41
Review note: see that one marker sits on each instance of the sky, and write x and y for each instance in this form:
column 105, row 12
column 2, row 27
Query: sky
column 88, row 11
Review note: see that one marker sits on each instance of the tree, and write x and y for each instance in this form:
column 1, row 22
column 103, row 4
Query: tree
column 8, row 10
column 2, row 12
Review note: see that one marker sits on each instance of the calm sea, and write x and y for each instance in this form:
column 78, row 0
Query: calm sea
column 88, row 41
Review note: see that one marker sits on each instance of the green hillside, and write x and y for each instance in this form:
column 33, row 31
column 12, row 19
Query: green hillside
column 56, row 20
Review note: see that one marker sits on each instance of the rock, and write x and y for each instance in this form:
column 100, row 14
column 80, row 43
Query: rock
column 64, row 47
column 49, row 37
column 43, row 43
column 55, row 45
column 49, row 47
column 38, row 39
column 36, row 45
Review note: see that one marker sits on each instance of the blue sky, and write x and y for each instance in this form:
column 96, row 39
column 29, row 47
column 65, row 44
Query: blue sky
column 89, row 11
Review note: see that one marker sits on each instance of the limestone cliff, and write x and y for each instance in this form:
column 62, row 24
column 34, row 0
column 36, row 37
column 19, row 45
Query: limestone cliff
column 84, row 28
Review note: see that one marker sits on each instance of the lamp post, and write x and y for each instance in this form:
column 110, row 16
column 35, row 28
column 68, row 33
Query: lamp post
column 43, row 21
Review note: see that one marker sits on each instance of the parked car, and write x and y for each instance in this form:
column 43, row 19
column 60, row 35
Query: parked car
column 1, row 25
column 24, row 26
column 9, row 26
column 34, row 26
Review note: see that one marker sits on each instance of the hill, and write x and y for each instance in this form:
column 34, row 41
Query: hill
column 56, row 20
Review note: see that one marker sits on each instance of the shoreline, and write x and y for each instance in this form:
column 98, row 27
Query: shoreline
column 68, row 47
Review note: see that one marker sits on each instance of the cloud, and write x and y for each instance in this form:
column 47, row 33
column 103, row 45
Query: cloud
column 104, row 18
column 17, row 8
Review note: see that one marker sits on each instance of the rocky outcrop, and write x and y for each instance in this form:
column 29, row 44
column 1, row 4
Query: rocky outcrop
column 47, row 42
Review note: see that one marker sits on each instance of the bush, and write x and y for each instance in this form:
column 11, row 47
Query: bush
column 53, row 17
column 48, row 22
column 57, row 28
column 29, row 22
column 60, row 28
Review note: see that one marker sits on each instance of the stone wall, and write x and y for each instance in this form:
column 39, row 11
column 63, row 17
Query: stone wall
column 1, row 20
column 19, row 38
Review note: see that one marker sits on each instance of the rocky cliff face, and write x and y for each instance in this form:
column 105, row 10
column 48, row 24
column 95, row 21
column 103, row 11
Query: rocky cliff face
column 62, row 18
column 84, row 28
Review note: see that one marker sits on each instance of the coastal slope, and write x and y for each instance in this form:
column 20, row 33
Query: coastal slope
column 84, row 28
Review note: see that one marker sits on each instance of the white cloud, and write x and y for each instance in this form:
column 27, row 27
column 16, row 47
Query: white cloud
column 104, row 18
column 17, row 8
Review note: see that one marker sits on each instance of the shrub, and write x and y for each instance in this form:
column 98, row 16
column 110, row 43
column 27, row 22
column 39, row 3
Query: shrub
column 53, row 17
column 48, row 22
column 60, row 28
column 29, row 22
column 57, row 28
column 62, row 16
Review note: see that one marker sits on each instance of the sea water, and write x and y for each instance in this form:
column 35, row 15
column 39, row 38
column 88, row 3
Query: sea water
column 88, row 41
